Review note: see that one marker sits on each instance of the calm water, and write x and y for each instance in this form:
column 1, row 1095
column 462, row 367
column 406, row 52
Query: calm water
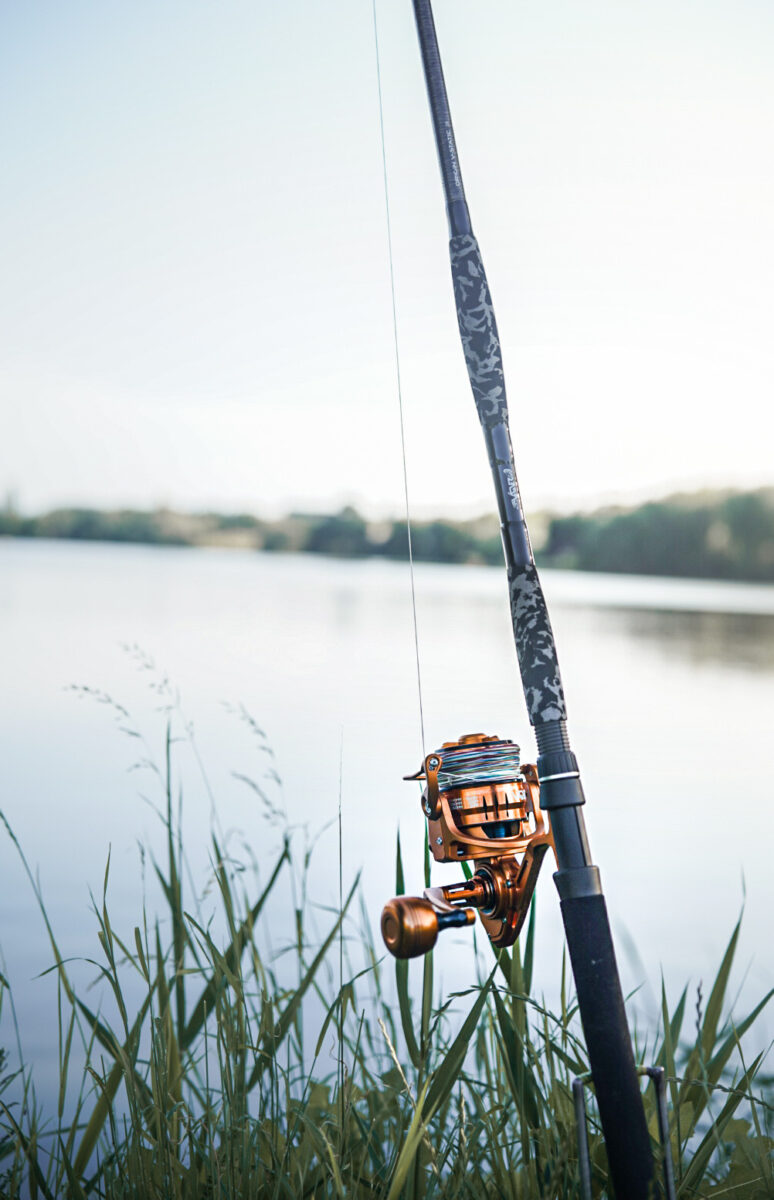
column 670, row 686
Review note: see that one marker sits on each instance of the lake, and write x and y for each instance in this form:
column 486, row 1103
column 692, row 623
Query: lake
column 670, row 690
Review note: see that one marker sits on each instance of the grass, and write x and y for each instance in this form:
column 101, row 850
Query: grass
column 216, row 1066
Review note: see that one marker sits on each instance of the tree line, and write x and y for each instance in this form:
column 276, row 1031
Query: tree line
column 719, row 535
column 705, row 536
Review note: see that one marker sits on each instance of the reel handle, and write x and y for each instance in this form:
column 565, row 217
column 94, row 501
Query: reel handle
column 411, row 924
column 500, row 890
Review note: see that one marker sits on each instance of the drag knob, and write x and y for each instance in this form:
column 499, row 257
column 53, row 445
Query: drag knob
column 410, row 925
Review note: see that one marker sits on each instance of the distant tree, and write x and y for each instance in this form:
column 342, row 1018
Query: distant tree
column 228, row 521
column 396, row 545
column 343, row 534
column 10, row 524
column 275, row 540
column 728, row 537
column 490, row 551
column 440, row 541
column 432, row 541
column 83, row 524
column 750, row 520
column 566, row 540
column 89, row 524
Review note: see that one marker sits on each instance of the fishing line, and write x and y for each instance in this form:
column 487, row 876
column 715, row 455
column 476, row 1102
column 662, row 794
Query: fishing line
column 478, row 763
column 398, row 378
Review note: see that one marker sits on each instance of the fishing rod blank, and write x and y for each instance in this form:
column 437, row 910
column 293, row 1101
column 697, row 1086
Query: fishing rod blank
column 493, row 807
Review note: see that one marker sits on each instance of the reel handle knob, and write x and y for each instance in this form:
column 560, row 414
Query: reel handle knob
column 410, row 925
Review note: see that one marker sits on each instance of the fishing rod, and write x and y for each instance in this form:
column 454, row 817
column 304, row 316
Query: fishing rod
column 481, row 803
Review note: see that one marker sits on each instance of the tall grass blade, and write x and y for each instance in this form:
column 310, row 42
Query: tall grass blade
column 445, row 1076
column 520, row 1078
column 402, row 975
column 701, row 1157
column 717, row 996
column 273, row 1037
column 410, row 1147
column 37, row 1178
column 122, row 1068
column 233, row 953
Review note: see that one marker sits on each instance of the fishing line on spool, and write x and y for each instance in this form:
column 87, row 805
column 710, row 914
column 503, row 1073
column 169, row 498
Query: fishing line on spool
column 398, row 379
column 478, row 763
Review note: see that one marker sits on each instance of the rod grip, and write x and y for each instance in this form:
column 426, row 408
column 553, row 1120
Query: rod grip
column 478, row 330
column 535, row 646
column 483, row 357
column 606, row 1030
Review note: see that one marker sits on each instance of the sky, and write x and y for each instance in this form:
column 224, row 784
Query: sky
column 195, row 302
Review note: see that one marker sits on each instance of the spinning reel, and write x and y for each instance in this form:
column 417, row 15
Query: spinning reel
column 482, row 805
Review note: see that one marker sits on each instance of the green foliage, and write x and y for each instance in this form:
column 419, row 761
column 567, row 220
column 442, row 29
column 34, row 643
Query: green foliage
column 704, row 536
column 432, row 541
column 204, row 1083
column 343, row 534
column 159, row 527
column 710, row 535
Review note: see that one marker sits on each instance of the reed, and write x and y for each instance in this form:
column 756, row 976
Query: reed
column 218, row 1068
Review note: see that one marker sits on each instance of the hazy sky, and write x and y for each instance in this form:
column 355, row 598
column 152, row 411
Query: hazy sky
column 194, row 291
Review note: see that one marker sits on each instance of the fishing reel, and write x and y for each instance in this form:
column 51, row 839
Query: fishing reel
column 481, row 805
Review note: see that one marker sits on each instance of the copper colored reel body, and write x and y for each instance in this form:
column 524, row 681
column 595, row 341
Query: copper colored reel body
column 481, row 804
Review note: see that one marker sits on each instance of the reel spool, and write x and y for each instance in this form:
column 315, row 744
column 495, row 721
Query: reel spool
column 481, row 804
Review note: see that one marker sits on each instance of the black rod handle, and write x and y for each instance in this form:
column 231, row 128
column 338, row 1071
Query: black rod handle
column 606, row 1031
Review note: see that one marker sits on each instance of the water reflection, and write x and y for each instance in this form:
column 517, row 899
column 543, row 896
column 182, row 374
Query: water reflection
column 732, row 639
column 659, row 675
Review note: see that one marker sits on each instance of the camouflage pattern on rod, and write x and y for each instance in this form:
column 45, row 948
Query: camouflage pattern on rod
column 478, row 330
column 535, row 647
column 481, row 344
